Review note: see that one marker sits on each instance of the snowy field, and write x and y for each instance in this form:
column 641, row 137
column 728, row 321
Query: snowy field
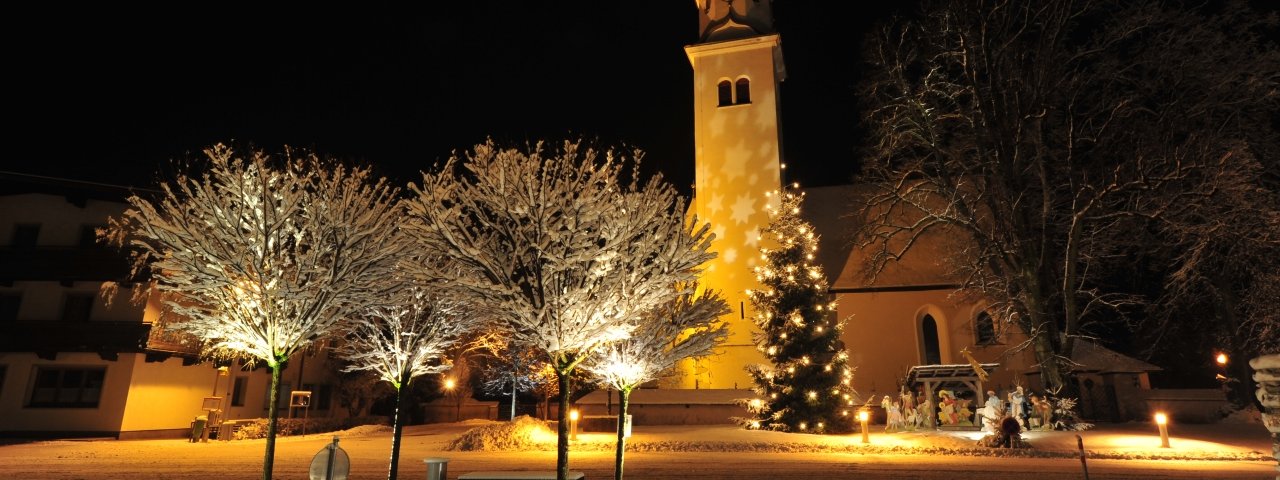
column 696, row 452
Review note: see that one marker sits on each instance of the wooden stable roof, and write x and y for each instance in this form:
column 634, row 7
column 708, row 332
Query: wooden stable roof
column 946, row 373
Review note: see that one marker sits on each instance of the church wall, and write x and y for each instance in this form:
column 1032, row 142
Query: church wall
column 883, row 336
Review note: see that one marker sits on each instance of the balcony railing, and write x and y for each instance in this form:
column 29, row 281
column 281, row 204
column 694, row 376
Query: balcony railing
column 56, row 336
column 62, row 264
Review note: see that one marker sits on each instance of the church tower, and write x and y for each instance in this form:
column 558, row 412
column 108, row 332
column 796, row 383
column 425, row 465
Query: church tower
column 737, row 65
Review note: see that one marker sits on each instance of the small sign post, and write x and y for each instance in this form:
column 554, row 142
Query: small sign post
column 301, row 399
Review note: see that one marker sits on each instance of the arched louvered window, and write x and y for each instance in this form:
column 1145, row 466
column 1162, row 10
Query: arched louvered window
column 726, row 93
column 985, row 329
column 744, row 91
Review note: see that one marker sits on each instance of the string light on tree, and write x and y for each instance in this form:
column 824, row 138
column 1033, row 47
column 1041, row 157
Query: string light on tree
column 806, row 388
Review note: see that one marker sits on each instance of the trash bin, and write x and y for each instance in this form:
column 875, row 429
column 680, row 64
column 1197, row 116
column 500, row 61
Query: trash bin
column 197, row 428
column 437, row 467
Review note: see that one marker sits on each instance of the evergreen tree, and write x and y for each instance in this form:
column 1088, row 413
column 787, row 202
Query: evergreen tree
column 808, row 386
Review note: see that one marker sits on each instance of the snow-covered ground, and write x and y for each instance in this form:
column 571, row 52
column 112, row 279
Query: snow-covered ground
column 677, row 452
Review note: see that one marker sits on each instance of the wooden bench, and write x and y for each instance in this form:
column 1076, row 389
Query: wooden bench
column 522, row 475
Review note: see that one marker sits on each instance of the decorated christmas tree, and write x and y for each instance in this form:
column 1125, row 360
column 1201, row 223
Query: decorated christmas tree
column 808, row 385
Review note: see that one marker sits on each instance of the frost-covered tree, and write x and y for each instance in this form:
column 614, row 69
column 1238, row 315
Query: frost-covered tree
column 1033, row 134
column 684, row 328
column 258, row 257
column 807, row 386
column 561, row 243
column 510, row 370
column 404, row 340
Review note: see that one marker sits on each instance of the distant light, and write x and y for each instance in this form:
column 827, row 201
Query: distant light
column 1222, row 359
column 1161, row 418
column 449, row 384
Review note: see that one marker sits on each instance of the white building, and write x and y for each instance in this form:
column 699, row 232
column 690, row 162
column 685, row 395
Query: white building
column 73, row 363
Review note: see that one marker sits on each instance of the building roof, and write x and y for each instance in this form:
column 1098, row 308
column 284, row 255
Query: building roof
column 648, row 396
column 827, row 210
column 944, row 373
column 1093, row 358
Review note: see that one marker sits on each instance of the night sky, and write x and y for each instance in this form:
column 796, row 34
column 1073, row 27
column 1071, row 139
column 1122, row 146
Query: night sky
column 113, row 96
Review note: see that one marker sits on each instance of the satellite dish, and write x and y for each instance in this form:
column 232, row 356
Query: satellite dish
column 330, row 463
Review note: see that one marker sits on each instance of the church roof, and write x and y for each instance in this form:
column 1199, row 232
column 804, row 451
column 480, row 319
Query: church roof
column 827, row 209
column 832, row 211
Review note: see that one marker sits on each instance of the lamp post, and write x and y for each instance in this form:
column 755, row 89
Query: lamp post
column 864, row 417
column 450, row 385
column 1162, row 421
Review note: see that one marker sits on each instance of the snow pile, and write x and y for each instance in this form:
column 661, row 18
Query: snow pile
column 361, row 431
column 525, row 433
column 534, row 435
column 1244, row 416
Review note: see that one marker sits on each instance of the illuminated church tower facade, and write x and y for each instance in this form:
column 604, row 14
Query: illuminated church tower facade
column 737, row 66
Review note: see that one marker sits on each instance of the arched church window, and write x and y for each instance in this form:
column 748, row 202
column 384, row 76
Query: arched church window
column 726, row 93
column 985, row 328
column 744, row 91
column 929, row 339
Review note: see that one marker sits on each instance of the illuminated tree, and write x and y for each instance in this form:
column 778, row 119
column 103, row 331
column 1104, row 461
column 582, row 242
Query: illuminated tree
column 512, row 369
column 1041, row 137
column 684, row 328
column 560, row 244
column 258, row 257
column 404, row 340
column 808, row 386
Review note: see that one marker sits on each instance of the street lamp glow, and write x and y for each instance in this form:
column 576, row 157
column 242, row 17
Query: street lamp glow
column 1222, row 359
column 449, row 384
column 1161, row 418
column 573, row 415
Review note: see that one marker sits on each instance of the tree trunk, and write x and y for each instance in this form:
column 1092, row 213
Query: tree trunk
column 397, row 428
column 273, row 417
column 1051, row 375
column 562, row 434
column 623, row 397
column 513, row 400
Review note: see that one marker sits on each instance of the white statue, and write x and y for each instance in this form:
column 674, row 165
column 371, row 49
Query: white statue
column 893, row 414
column 992, row 411
column 1017, row 406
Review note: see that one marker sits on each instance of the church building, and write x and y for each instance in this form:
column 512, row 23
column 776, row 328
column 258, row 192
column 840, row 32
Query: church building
column 908, row 315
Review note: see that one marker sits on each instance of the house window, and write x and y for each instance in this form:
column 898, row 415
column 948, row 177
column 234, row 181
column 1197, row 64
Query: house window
column 89, row 236
column 725, row 91
column 77, row 307
column 238, row 390
column 286, row 389
column 321, row 401
column 67, row 387
column 9, row 304
column 25, row 235
column 985, row 328
column 744, row 91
